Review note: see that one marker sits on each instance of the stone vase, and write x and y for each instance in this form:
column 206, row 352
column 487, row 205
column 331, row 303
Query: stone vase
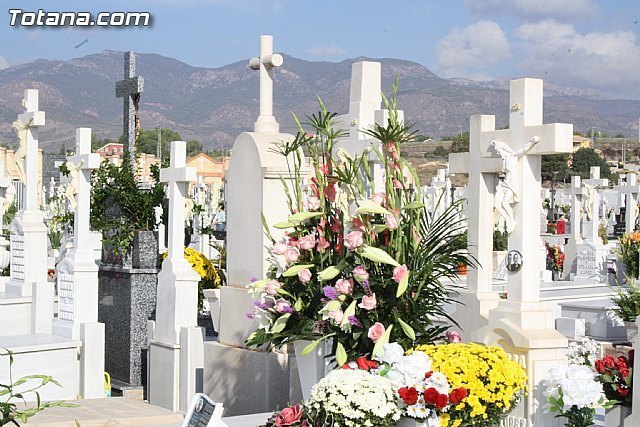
column 632, row 331
column 411, row 422
column 314, row 366
column 615, row 416
column 213, row 298
column 555, row 275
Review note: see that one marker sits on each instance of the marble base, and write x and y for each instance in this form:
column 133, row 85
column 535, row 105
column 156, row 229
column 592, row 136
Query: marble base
column 599, row 322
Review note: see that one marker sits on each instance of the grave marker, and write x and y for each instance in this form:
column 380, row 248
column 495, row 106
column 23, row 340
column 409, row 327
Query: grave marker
column 130, row 89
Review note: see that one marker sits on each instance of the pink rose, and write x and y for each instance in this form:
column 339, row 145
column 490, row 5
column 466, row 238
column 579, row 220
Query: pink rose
column 353, row 240
column 399, row 273
column 336, row 315
column 291, row 254
column 305, row 275
column 313, row 203
column 453, row 336
column 360, row 273
column 344, row 286
column 272, row 287
column 289, row 416
column 376, row 331
column 282, row 306
column 307, row 242
column 279, row 248
column 392, row 222
column 368, row 302
column 323, row 244
column 379, row 198
column 357, row 224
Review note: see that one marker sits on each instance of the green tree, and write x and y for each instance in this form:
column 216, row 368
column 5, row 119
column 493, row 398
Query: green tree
column 556, row 164
column 193, row 148
column 460, row 143
column 584, row 158
column 148, row 141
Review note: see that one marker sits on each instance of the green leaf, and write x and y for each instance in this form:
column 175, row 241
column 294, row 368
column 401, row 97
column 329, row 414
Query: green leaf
column 341, row 354
column 309, row 348
column 370, row 207
column 331, row 306
column 414, row 205
column 328, row 273
column 378, row 255
column 283, row 225
column 350, row 311
column 280, row 323
column 304, row 216
column 407, row 329
column 402, row 286
column 265, row 227
column 294, row 270
column 379, row 228
column 378, row 349
column 298, row 305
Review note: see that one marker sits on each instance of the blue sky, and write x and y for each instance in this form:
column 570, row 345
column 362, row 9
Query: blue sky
column 578, row 43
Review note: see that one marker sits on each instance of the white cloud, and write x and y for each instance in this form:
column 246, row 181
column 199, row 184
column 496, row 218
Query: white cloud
column 3, row 63
column 604, row 61
column 571, row 10
column 326, row 51
column 464, row 52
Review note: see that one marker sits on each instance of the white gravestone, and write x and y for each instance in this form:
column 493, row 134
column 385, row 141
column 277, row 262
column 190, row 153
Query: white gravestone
column 629, row 189
column 176, row 349
column 77, row 276
column 576, row 192
column 28, row 231
column 521, row 324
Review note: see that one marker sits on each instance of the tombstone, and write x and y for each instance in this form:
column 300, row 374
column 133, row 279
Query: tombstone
column 28, row 231
column 176, row 349
column 439, row 193
column 253, row 187
column 629, row 189
column 522, row 324
column 77, row 276
column 575, row 237
column 130, row 89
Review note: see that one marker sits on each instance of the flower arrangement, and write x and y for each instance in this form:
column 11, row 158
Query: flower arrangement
column 555, row 257
column 615, row 375
column 573, row 392
column 551, row 228
column 627, row 302
column 493, row 382
column 629, row 248
column 292, row 416
column 210, row 278
column 359, row 263
column 583, row 352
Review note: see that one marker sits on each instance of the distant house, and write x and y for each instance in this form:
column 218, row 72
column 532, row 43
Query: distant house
column 580, row 142
column 110, row 149
column 113, row 151
column 211, row 172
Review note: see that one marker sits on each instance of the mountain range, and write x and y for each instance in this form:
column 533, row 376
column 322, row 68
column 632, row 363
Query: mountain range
column 214, row 105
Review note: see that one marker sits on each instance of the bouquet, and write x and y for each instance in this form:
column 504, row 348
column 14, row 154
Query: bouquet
column 555, row 257
column 615, row 375
column 583, row 352
column 573, row 392
column 361, row 262
column 629, row 248
column 494, row 383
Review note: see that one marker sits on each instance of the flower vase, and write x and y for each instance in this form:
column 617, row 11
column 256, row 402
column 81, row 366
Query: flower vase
column 555, row 275
column 615, row 416
column 432, row 421
column 312, row 367
column 632, row 331
column 213, row 298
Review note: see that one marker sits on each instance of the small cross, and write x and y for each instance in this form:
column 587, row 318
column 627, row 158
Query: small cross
column 266, row 63
column 177, row 175
column 130, row 89
column 88, row 161
column 35, row 119
column 592, row 185
column 577, row 192
column 630, row 189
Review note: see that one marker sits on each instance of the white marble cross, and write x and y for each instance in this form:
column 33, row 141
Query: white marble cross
column 577, row 192
column 177, row 175
column 265, row 63
column 35, row 119
column 592, row 185
column 630, row 190
column 524, row 159
column 88, row 161
column 5, row 182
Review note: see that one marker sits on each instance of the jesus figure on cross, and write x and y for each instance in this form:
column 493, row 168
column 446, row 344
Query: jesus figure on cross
column 507, row 188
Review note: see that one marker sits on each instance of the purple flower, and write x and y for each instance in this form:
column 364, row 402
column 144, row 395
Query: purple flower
column 253, row 279
column 366, row 287
column 287, row 309
column 355, row 322
column 330, row 292
column 250, row 315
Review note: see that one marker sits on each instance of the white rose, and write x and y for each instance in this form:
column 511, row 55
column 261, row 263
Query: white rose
column 409, row 369
column 582, row 393
column 392, row 353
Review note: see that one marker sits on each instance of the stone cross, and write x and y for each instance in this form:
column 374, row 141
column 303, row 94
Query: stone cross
column 594, row 183
column 35, row 119
column 577, row 192
column 5, row 182
column 88, row 161
column 266, row 62
column 630, row 190
column 525, row 126
column 177, row 175
column 130, row 89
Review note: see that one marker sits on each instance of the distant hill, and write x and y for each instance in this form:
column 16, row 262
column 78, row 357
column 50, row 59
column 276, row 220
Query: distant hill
column 214, row 105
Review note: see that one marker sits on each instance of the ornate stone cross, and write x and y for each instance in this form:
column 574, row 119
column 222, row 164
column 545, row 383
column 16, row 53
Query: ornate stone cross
column 130, row 89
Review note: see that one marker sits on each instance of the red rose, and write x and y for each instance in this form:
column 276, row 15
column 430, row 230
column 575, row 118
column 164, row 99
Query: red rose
column 600, row 366
column 409, row 395
column 624, row 372
column 457, row 395
column 443, row 400
column 289, row 416
column 609, row 361
column 431, row 396
column 366, row 364
column 623, row 392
